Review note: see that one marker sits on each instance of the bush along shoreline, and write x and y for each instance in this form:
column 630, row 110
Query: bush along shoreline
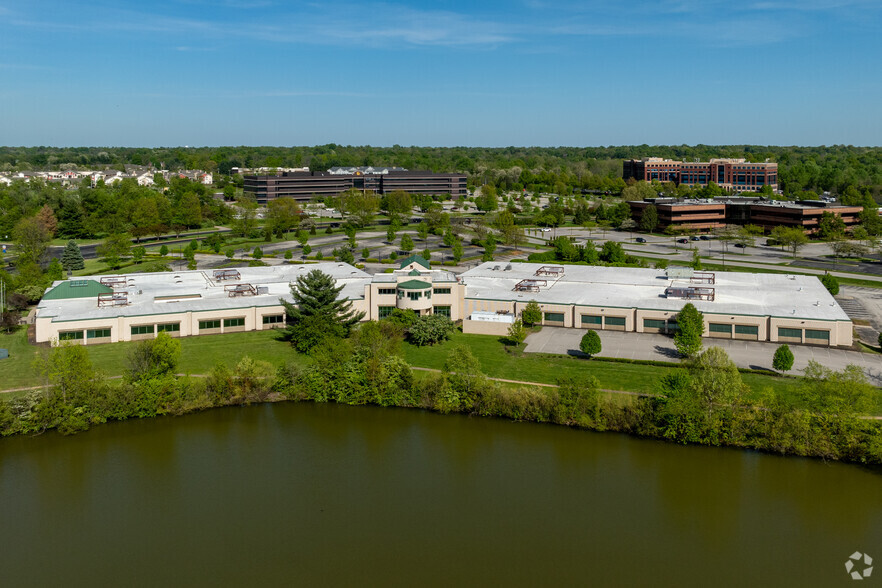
column 700, row 403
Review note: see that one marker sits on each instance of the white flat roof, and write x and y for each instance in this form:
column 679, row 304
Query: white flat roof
column 777, row 295
column 143, row 289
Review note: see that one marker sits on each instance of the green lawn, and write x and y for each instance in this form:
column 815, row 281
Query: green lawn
column 198, row 355
column 546, row 369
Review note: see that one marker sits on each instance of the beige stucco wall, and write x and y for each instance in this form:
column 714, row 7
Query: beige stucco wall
column 120, row 326
column 485, row 327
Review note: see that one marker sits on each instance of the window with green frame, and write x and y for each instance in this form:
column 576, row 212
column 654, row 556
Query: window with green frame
column 385, row 291
column 203, row 325
column 273, row 319
column 441, row 290
column 614, row 321
column 384, row 311
column 719, row 328
column 442, row 310
column 168, row 328
column 414, row 295
column 97, row 333
column 591, row 319
column 746, row 330
column 792, row 333
column 142, row 330
column 817, row 335
column 234, row 322
column 653, row 324
column 554, row 317
column 70, row 335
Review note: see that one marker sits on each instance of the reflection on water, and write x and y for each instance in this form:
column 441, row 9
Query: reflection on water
column 326, row 494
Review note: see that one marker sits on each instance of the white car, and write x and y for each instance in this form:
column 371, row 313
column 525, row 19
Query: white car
column 546, row 230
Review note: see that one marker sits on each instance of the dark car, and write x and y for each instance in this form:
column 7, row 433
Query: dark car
column 704, row 238
column 741, row 245
column 693, row 238
column 684, row 240
column 640, row 240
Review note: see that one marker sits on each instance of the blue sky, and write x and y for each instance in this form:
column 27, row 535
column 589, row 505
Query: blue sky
column 491, row 73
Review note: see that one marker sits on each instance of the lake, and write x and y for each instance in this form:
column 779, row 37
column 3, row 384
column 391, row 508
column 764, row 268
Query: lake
column 311, row 494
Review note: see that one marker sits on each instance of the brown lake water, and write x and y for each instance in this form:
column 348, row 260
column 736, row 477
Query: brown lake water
column 325, row 495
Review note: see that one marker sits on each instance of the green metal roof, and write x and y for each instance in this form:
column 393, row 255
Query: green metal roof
column 77, row 289
column 415, row 259
column 414, row 285
column 414, row 272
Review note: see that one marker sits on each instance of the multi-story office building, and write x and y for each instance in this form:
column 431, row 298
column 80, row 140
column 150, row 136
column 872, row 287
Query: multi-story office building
column 731, row 174
column 709, row 214
column 303, row 185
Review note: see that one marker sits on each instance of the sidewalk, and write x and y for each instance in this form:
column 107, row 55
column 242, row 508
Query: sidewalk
column 745, row 354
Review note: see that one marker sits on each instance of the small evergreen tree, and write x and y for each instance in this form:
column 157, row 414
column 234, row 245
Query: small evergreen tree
column 163, row 250
column 288, row 254
column 72, row 257
column 590, row 344
column 257, row 253
column 783, row 359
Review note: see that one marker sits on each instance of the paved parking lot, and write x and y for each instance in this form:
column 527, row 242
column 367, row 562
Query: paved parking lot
column 746, row 354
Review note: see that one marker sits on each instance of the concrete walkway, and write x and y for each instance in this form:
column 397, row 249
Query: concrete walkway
column 745, row 354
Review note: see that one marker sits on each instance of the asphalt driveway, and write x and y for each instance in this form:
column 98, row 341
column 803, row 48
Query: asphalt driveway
column 746, row 354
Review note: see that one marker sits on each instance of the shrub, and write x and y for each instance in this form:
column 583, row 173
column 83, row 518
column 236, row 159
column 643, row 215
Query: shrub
column 590, row 343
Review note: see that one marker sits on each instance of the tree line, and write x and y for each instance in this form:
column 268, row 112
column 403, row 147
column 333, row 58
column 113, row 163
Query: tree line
column 801, row 170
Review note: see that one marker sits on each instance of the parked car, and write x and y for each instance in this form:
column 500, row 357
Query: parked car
column 704, row 238
column 741, row 245
column 694, row 238
column 683, row 240
column 640, row 240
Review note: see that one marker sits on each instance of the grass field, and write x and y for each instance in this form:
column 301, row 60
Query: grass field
column 198, row 355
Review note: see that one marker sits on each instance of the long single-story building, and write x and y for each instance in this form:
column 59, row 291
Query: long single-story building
column 488, row 298
column 130, row 307
column 754, row 307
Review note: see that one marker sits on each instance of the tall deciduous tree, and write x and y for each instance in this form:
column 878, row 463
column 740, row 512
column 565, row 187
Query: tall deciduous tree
column 406, row 243
column 690, row 323
column 649, row 219
column 282, row 214
column 783, row 359
column 31, row 239
column 317, row 312
column 113, row 248
column 517, row 332
column 532, row 313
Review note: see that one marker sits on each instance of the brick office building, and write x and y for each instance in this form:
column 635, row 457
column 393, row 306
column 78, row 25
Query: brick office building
column 709, row 214
column 730, row 174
